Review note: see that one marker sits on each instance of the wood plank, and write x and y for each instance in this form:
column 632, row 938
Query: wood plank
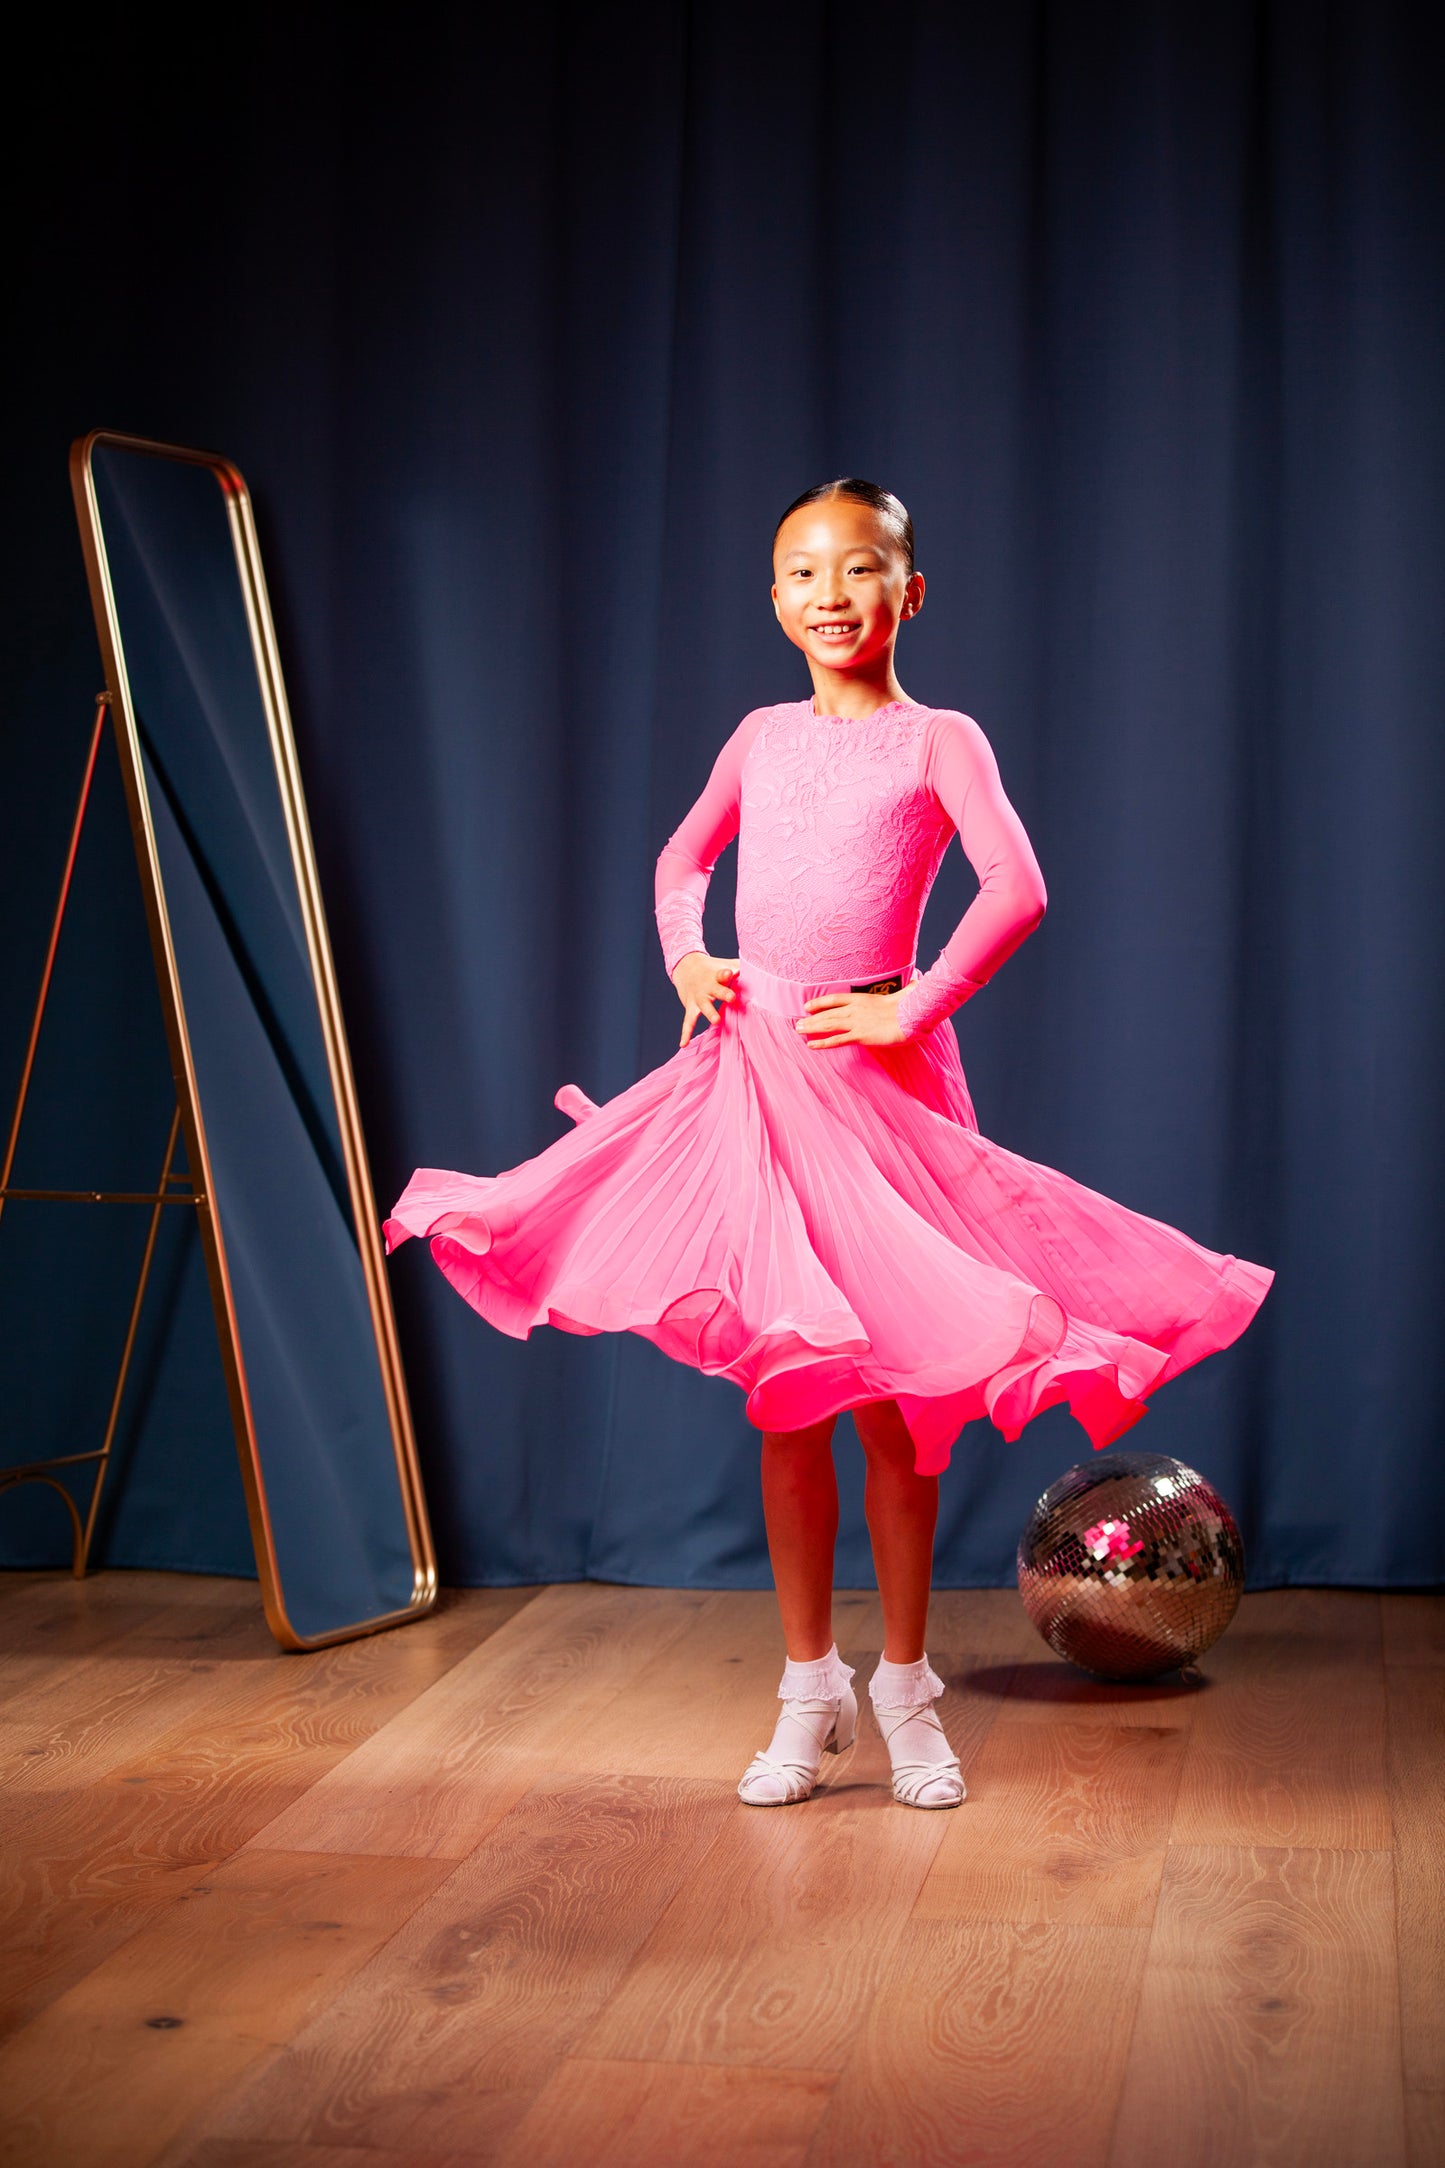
column 538, row 1694
column 82, row 1869
column 86, row 1717
column 1416, row 1701
column 702, row 1704
column 992, row 2043
column 272, row 1731
column 116, row 1593
column 991, row 1620
column 114, row 2069
column 1068, row 1822
column 1268, row 2024
column 17, row 1583
column 442, row 2042
column 1320, row 1618
column 644, row 2115
column 1414, row 1627
column 120, row 1588
column 796, row 1913
column 288, row 2153
column 131, row 1700
column 46, row 1617
column 1288, row 1745
column 76, row 1880
column 1424, row 2129
column 1047, row 1691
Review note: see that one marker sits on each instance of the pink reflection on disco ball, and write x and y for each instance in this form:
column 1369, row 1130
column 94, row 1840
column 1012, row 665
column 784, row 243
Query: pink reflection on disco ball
column 1110, row 1539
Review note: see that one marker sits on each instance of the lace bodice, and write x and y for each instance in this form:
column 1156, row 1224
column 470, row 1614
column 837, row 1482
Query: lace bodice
column 841, row 827
column 838, row 844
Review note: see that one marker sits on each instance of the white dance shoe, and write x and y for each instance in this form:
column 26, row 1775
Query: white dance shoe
column 926, row 1770
column 819, row 1716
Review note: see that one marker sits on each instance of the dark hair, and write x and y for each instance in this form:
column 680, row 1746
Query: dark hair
column 880, row 500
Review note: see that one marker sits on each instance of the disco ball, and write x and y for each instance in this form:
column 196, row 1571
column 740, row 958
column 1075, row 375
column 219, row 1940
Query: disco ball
column 1131, row 1565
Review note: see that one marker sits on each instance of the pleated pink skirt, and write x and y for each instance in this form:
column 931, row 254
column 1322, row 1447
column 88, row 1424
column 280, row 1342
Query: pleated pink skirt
column 827, row 1228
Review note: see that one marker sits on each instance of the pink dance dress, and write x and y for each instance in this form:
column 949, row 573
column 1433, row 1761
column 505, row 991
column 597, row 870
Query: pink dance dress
column 827, row 1227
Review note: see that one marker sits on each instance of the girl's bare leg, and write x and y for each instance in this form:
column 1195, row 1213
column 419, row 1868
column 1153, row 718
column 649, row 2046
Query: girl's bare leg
column 800, row 1506
column 902, row 1510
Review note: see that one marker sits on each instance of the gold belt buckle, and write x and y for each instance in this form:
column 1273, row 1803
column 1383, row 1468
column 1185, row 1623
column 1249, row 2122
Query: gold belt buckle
column 879, row 986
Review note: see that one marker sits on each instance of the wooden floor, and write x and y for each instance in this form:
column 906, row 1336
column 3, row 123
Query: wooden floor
column 480, row 1891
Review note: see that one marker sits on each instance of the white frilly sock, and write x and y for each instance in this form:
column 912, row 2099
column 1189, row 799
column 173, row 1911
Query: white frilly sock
column 820, row 1681
column 904, row 1686
column 903, row 1696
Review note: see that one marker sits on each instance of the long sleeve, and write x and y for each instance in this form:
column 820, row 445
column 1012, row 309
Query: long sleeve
column 958, row 767
column 692, row 850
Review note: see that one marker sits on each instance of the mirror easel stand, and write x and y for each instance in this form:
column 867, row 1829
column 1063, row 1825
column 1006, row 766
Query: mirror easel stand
column 171, row 1189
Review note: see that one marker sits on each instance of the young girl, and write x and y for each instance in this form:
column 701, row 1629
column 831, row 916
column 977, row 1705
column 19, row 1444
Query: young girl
column 800, row 1199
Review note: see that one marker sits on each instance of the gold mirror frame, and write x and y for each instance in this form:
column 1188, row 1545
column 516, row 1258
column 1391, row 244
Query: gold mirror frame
column 288, row 779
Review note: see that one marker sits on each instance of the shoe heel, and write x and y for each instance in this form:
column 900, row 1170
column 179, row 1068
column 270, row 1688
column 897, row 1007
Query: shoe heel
column 845, row 1728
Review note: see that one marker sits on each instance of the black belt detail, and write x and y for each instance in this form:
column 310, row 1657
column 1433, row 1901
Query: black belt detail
column 879, row 986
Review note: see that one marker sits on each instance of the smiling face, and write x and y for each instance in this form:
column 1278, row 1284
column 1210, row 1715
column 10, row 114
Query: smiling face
column 842, row 585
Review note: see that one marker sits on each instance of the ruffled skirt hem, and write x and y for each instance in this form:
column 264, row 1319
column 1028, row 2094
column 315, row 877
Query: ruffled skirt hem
column 827, row 1229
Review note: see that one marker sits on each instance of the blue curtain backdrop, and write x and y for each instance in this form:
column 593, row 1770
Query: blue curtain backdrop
column 523, row 329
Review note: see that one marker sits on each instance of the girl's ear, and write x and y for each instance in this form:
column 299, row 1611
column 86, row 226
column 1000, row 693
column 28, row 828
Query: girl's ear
column 776, row 611
column 913, row 595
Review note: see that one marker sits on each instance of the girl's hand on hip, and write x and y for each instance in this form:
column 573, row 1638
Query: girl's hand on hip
column 851, row 1020
column 703, row 984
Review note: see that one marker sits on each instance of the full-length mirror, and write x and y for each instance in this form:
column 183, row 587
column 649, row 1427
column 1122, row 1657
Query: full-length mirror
column 268, row 1109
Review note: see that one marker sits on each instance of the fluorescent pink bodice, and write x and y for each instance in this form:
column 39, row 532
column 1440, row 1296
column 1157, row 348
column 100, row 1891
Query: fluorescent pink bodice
column 841, row 827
